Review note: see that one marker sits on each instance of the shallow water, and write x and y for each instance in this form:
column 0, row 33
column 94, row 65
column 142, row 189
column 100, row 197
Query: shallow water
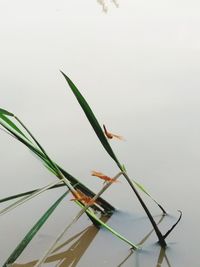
column 136, row 62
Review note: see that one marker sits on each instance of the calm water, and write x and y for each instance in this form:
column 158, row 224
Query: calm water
column 137, row 64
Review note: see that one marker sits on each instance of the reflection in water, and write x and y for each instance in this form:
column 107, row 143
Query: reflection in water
column 162, row 254
column 81, row 242
column 105, row 6
column 72, row 255
column 148, row 235
column 127, row 257
column 161, row 257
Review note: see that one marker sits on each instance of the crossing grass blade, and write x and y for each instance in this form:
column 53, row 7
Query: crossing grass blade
column 12, row 129
column 27, row 197
column 29, row 236
column 106, row 206
column 27, row 193
column 141, row 187
column 10, row 123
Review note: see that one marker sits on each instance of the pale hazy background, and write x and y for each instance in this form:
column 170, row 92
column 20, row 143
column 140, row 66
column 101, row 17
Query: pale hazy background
column 138, row 67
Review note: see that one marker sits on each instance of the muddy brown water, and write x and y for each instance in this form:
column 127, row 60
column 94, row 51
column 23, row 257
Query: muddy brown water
column 136, row 62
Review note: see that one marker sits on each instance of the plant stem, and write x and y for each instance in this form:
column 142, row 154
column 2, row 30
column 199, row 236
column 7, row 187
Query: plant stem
column 158, row 233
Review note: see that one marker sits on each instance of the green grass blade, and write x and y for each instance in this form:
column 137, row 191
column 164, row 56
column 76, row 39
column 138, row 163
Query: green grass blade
column 141, row 187
column 29, row 236
column 94, row 123
column 5, row 112
column 11, row 124
column 110, row 229
column 91, row 117
column 27, row 197
column 107, row 207
column 96, row 126
column 27, row 193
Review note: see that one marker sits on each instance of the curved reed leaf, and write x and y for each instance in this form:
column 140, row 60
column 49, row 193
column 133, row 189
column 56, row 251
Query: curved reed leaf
column 173, row 226
column 98, row 130
column 5, row 112
column 27, row 193
column 107, row 207
column 141, row 187
column 10, row 123
column 91, row 117
column 27, row 197
column 29, row 236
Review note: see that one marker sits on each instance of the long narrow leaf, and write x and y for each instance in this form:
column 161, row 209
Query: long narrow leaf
column 108, row 208
column 26, row 198
column 27, row 193
column 91, row 117
column 96, row 126
column 141, row 187
column 110, row 229
column 29, row 236
column 11, row 124
column 5, row 112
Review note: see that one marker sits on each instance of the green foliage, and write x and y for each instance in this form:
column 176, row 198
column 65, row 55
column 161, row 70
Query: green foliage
column 29, row 236
column 37, row 149
column 19, row 131
column 99, row 132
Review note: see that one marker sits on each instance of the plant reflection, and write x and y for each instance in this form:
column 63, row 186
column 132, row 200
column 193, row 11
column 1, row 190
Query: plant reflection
column 82, row 240
column 161, row 257
column 162, row 254
column 73, row 254
column 105, row 6
column 148, row 235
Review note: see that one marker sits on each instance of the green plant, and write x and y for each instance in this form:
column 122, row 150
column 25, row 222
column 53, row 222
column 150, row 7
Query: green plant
column 17, row 129
column 100, row 134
